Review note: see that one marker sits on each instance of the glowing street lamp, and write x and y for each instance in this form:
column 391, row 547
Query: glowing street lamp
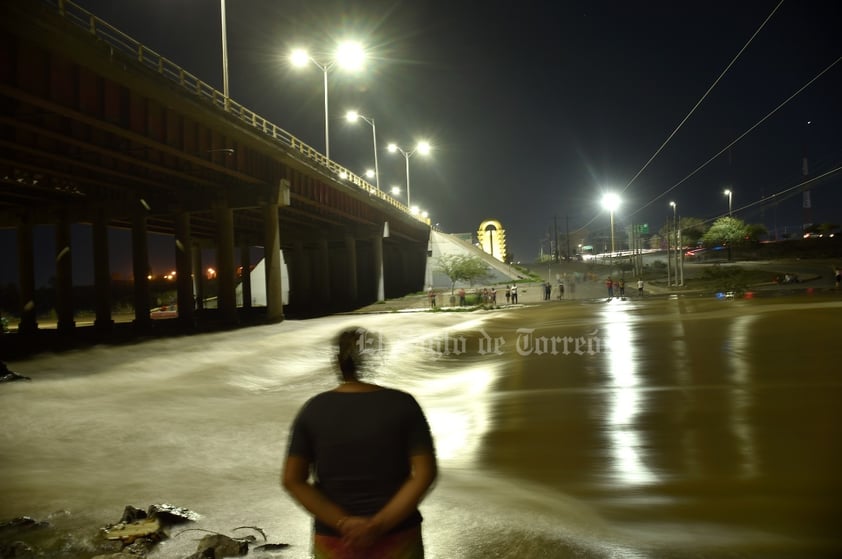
column 729, row 194
column 352, row 116
column 423, row 148
column 611, row 201
column 224, row 53
column 395, row 190
column 349, row 56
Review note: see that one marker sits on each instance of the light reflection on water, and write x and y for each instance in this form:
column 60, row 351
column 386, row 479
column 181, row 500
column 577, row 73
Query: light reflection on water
column 741, row 401
column 622, row 344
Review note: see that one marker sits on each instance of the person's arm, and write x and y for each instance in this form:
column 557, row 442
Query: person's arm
column 294, row 479
column 422, row 475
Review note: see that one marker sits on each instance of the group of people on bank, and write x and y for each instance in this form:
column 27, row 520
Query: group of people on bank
column 617, row 287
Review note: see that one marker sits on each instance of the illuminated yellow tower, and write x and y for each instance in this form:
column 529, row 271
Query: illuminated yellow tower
column 492, row 239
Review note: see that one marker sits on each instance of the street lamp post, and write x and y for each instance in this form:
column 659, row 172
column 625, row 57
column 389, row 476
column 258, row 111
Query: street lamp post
column 224, row 53
column 610, row 201
column 729, row 194
column 349, row 55
column 423, row 148
column 676, row 233
column 352, row 116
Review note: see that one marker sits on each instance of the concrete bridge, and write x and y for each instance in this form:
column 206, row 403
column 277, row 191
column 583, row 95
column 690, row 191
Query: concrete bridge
column 97, row 129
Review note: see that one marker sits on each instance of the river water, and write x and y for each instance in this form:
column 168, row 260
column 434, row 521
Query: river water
column 654, row 428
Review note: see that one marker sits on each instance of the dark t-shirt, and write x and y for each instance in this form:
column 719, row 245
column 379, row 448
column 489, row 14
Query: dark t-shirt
column 359, row 444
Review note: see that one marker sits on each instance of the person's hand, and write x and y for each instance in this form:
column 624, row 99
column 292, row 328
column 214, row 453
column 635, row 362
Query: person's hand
column 360, row 532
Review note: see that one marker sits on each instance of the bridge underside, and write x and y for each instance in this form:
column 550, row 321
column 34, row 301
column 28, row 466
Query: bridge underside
column 92, row 136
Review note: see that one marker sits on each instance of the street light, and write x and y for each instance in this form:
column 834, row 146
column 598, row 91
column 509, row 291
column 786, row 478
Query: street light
column 423, row 148
column 675, row 232
column 352, row 116
column 349, row 55
column 224, row 53
column 610, row 201
column 729, row 194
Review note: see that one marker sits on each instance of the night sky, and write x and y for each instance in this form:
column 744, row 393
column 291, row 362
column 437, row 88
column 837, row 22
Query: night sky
column 535, row 108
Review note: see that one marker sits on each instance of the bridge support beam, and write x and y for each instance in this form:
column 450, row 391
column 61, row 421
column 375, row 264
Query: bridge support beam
column 140, row 270
column 102, row 273
column 64, row 276
column 351, row 262
column 198, row 275
column 377, row 248
column 26, row 277
column 272, row 263
column 323, row 271
column 245, row 273
column 227, row 296
column 184, row 271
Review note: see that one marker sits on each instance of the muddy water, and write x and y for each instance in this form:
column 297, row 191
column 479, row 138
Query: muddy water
column 655, row 428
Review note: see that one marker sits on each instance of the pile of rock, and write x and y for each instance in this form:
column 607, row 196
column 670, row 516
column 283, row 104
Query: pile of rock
column 133, row 537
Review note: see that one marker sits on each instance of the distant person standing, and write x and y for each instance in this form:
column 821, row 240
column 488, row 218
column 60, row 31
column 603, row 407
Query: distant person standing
column 560, row 290
column 461, row 296
column 639, row 287
column 837, row 273
column 508, row 294
column 622, row 287
column 609, row 285
column 514, row 294
column 431, row 295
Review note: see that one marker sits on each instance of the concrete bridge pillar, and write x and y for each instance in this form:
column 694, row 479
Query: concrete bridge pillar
column 323, row 271
column 245, row 272
column 272, row 262
column 140, row 270
column 300, row 277
column 377, row 248
column 26, row 278
column 102, row 273
column 184, row 271
column 227, row 295
column 353, row 284
column 198, row 277
column 64, row 276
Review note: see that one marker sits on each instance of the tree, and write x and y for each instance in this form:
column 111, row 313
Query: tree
column 692, row 229
column 754, row 231
column 462, row 267
column 726, row 231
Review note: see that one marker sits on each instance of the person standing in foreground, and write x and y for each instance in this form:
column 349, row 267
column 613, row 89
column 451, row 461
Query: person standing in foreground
column 372, row 458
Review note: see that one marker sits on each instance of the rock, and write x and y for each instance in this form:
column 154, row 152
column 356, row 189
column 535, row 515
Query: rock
column 130, row 531
column 131, row 514
column 21, row 524
column 118, row 555
column 9, row 376
column 223, row 546
column 169, row 515
column 16, row 550
column 271, row 547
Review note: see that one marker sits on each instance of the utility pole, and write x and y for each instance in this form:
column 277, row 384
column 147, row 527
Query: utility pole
column 669, row 253
column 555, row 238
column 567, row 233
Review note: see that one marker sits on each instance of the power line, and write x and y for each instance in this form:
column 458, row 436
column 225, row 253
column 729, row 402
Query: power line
column 693, row 110
column 699, row 102
column 740, row 137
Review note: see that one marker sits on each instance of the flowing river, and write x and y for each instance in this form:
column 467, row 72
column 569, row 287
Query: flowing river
column 653, row 428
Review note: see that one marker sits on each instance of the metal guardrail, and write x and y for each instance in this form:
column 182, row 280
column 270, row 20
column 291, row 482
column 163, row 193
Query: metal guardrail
column 168, row 69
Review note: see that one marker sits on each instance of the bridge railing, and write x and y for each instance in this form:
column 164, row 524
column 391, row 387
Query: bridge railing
column 168, row 69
